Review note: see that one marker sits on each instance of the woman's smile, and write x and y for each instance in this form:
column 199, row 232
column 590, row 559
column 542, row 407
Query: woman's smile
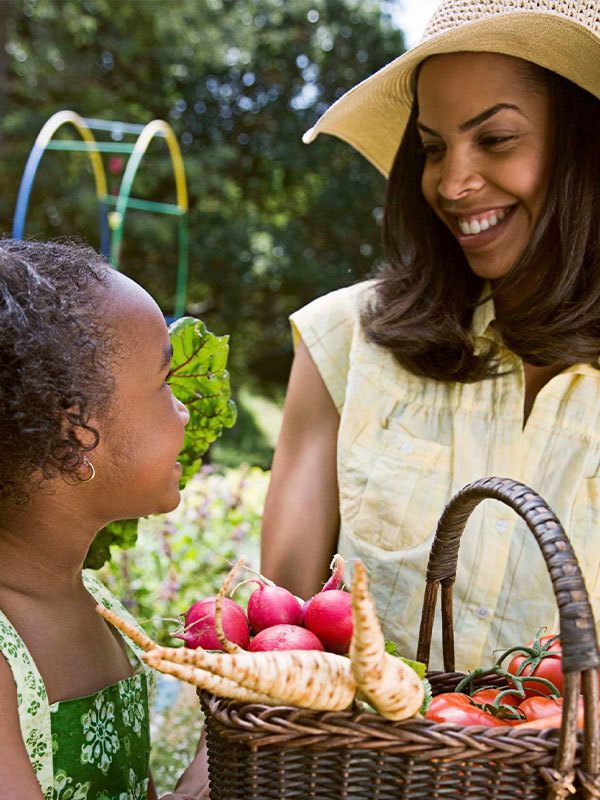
column 475, row 231
column 486, row 144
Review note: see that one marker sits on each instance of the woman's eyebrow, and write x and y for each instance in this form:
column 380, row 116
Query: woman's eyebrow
column 167, row 357
column 473, row 123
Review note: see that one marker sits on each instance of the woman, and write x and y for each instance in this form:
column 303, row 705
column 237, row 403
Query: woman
column 475, row 351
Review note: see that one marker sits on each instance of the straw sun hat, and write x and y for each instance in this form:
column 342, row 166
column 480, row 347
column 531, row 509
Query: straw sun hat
column 561, row 35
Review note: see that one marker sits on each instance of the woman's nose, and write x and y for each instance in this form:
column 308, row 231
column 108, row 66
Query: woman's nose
column 459, row 176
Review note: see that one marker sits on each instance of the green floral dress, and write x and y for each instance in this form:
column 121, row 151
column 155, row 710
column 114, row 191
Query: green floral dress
column 89, row 748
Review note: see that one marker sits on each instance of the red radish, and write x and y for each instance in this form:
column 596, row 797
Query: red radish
column 285, row 637
column 199, row 625
column 337, row 567
column 329, row 616
column 273, row 605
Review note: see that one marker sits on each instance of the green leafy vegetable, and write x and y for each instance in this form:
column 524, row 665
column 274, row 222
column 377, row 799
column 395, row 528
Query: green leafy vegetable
column 392, row 648
column 428, row 697
column 198, row 378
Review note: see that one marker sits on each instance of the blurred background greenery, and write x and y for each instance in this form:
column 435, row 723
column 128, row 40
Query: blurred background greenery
column 273, row 223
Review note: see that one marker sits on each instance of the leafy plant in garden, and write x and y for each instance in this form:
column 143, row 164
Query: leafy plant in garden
column 184, row 556
column 198, row 378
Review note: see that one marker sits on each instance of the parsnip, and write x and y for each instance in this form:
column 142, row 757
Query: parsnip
column 207, row 680
column 305, row 678
column 137, row 636
column 386, row 682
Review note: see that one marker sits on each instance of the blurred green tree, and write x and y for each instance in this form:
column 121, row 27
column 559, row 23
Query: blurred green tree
column 274, row 223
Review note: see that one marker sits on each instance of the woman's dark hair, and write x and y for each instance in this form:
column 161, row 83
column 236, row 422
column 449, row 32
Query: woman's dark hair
column 55, row 353
column 426, row 294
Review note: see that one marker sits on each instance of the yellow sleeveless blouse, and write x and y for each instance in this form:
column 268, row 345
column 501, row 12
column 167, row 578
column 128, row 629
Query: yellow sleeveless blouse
column 406, row 444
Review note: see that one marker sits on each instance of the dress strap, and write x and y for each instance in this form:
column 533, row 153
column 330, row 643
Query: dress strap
column 32, row 704
column 104, row 596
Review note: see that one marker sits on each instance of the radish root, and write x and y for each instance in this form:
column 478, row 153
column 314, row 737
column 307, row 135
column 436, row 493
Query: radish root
column 230, row 647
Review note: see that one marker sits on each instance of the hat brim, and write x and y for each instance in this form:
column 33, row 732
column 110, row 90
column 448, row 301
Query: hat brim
column 372, row 116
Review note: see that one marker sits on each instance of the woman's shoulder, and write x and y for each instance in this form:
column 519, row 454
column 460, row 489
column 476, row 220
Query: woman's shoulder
column 328, row 327
column 342, row 306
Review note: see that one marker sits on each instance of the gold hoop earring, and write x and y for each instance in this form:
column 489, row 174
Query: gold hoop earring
column 91, row 474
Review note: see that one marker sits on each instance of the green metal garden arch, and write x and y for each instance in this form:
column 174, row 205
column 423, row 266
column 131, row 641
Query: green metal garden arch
column 112, row 223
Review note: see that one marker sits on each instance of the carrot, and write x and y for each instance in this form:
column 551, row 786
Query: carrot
column 554, row 721
column 206, row 680
column 387, row 683
column 135, row 634
column 230, row 647
column 306, row 678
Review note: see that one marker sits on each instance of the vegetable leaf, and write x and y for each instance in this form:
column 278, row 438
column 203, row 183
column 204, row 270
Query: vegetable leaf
column 428, row 697
column 200, row 380
column 392, row 648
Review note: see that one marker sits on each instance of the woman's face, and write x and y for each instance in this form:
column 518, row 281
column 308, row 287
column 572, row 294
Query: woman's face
column 487, row 139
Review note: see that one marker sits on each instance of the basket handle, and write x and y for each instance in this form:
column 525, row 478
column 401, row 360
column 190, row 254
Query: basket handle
column 577, row 629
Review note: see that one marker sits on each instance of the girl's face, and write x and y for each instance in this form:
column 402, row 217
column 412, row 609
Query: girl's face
column 137, row 472
column 487, row 139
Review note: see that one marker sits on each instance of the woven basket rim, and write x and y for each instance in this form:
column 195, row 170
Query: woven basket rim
column 261, row 726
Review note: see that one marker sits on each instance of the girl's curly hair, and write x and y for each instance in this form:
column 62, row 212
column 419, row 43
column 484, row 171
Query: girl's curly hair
column 55, row 360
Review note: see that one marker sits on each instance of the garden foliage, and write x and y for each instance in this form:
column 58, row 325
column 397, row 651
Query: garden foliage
column 273, row 222
column 183, row 556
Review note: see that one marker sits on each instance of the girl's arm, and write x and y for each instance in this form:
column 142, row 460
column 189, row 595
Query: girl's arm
column 17, row 777
column 301, row 517
column 193, row 783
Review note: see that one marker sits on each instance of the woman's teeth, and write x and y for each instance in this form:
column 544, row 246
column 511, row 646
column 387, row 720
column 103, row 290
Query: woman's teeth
column 473, row 225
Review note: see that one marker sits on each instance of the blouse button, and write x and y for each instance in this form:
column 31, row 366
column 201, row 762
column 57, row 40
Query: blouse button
column 482, row 612
column 501, row 526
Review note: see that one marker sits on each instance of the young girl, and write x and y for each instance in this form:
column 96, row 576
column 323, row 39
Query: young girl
column 90, row 433
column 475, row 351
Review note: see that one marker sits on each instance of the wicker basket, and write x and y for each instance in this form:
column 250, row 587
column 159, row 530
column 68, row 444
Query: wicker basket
column 260, row 752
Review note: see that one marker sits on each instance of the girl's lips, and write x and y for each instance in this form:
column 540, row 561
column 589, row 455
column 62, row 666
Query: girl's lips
column 476, row 241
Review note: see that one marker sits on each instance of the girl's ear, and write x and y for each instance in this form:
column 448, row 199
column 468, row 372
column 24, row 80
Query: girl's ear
column 85, row 472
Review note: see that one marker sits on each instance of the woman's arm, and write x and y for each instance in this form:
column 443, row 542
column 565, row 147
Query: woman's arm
column 301, row 517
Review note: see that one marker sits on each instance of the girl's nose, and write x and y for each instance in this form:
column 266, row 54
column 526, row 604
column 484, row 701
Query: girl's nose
column 183, row 412
column 458, row 177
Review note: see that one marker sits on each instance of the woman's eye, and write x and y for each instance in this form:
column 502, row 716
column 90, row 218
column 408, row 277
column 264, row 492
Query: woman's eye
column 495, row 141
column 432, row 151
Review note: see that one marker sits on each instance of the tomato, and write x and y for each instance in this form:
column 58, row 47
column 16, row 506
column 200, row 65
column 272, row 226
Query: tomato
column 546, row 663
column 539, row 707
column 458, row 709
column 488, row 697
